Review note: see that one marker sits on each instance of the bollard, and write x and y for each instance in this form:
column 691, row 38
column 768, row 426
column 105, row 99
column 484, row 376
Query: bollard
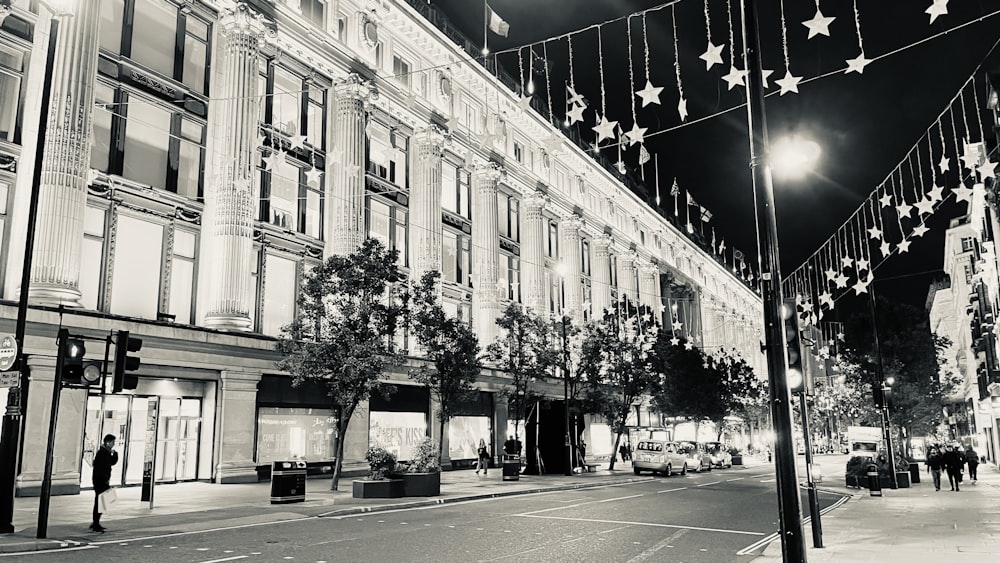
column 874, row 487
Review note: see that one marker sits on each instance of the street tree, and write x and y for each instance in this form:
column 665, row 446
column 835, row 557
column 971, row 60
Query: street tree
column 567, row 338
column 615, row 363
column 690, row 383
column 744, row 390
column 525, row 352
column 451, row 347
column 342, row 336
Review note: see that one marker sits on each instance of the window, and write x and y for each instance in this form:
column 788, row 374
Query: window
column 401, row 71
column 508, row 220
column 316, row 116
column 4, row 197
column 455, row 192
column 137, row 275
column 182, row 276
column 519, row 152
column 279, row 294
column 314, row 11
column 456, row 258
column 11, row 68
column 386, row 153
column 510, row 273
column 160, row 36
column 289, row 200
column 469, row 116
column 554, row 292
column 286, row 101
column 92, row 257
column 585, row 257
column 387, row 223
column 553, row 245
column 163, row 146
column 968, row 244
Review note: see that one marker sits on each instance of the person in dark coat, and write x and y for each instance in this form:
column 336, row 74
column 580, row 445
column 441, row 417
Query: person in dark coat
column 482, row 457
column 972, row 458
column 935, row 463
column 954, row 460
column 105, row 458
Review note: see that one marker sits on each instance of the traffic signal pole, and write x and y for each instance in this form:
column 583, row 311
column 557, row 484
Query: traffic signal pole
column 46, row 494
column 789, row 505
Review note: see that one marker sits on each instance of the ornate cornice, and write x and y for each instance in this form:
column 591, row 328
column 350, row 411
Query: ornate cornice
column 244, row 20
column 354, row 87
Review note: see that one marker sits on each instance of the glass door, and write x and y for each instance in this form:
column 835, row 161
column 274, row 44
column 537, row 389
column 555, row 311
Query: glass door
column 177, row 440
column 188, row 438
column 136, row 441
column 105, row 415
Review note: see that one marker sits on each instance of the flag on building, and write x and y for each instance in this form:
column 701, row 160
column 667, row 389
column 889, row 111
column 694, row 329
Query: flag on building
column 706, row 215
column 496, row 23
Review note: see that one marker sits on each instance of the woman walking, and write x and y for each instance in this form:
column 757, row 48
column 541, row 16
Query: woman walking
column 972, row 458
column 483, row 454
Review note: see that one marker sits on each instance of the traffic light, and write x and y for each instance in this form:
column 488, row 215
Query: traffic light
column 125, row 363
column 76, row 370
column 793, row 347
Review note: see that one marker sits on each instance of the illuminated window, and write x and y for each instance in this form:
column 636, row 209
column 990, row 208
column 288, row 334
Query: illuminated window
column 11, row 67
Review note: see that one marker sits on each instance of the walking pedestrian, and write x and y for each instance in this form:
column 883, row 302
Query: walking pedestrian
column 935, row 463
column 623, row 452
column 972, row 458
column 954, row 461
column 483, row 454
column 105, row 458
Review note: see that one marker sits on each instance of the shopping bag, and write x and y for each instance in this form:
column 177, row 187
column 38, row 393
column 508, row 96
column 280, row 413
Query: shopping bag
column 106, row 500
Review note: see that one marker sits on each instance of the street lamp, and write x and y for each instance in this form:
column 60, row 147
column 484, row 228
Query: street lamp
column 17, row 397
column 794, row 156
column 561, row 271
column 884, row 390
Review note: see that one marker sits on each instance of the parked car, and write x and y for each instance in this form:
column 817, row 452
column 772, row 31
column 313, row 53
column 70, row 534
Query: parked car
column 697, row 457
column 658, row 456
column 719, row 453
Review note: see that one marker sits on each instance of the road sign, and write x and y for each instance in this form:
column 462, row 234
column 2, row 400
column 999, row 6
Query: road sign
column 8, row 356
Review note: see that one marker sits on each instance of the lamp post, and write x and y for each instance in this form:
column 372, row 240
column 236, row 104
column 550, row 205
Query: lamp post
column 17, row 397
column 561, row 272
column 883, row 390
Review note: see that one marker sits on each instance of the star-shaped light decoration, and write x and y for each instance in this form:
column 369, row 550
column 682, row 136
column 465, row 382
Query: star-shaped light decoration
column 875, row 233
column 819, row 24
column 636, row 134
column 574, row 114
column 903, row 246
column 735, row 77
column 937, row 8
column 830, row 274
column 675, row 341
column 789, row 83
column 524, row 103
column 678, row 325
column 312, row 176
column 841, row 281
column 650, row 94
column 970, row 156
column 860, row 287
column 885, row 249
column 885, row 200
column 904, row 209
column 807, row 307
column 962, row 193
column 297, row 141
column 925, row 206
column 765, row 74
column 857, row 64
column 605, row 129
column 574, row 98
column 826, row 298
column 987, row 170
column 712, row 55
column 272, row 160
column 919, row 231
column 553, row 143
column 261, row 139
column 847, row 261
column 936, row 193
column 688, row 345
column 682, row 108
column 862, row 264
column 944, row 164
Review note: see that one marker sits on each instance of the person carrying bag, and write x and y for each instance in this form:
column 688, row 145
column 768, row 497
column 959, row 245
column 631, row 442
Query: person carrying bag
column 104, row 495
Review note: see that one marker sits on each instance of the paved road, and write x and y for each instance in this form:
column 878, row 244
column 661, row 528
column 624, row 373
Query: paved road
column 707, row 517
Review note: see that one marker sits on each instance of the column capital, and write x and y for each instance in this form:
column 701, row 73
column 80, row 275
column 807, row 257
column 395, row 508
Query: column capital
column 431, row 136
column 535, row 199
column 242, row 19
column 571, row 225
column 603, row 242
column 629, row 256
column 354, row 87
column 649, row 269
column 489, row 171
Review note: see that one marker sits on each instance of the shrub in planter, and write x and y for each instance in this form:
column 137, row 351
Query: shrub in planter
column 381, row 463
column 422, row 475
column 856, row 472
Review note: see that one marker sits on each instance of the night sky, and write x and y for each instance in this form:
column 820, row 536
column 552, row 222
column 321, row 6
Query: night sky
column 864, row 123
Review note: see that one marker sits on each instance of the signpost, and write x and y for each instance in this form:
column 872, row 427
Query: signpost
column 149, row 455
column 8, row 356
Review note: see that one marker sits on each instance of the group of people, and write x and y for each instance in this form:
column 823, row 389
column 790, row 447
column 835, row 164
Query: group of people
column 952, row 460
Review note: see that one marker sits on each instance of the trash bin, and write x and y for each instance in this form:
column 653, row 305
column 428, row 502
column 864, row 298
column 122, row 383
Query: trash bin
column 874, row 487
column 288, row 482
column 914, row 473
column 511, row 467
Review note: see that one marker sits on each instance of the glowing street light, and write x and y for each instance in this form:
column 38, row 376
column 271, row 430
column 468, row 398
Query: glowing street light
column 792, row 157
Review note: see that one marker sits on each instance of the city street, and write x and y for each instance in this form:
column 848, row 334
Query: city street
column 708, row 517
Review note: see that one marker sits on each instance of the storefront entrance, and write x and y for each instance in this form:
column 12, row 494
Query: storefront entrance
column 177, row 437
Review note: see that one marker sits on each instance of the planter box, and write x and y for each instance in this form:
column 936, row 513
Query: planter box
column 386, row 488
column 903, row 479
column 737, row 460
column 421, row 484
column 854, row 481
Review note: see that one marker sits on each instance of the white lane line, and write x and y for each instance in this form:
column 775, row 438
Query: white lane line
column 60, row 550
column 575, row 505
column 757, row 544
column 650, row 524
column 619, row 498
column 768, row 480
column 671, row 490
column 707, row 484
column 226, row 559
column 736, row 479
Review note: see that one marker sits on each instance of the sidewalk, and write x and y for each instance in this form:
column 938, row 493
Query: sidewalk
column 190, row 507
column 908, row 525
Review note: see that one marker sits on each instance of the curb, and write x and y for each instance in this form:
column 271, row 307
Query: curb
column 29, row 545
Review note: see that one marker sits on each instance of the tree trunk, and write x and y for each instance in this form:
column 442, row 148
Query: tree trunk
column 440, row 441
column 614, row 450
column 697, row 429
column 341, row 433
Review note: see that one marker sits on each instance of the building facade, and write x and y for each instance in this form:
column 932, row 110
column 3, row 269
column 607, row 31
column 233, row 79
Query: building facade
column 201, row 157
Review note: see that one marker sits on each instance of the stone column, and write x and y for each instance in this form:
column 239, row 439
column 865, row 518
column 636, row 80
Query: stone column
column 237, row 420
column 426, row 148
column 647, row 286
column 600, row 292
column 627, row 281
column 345, row 195
column 569, row 244
column 62, row 197
column 485, row 253
column 230, row 202
column 533, row 240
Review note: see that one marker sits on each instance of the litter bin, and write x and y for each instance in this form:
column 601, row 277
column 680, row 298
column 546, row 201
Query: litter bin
column 288, row 482
column 914, row 473
column 511, row 467
column 874, row 487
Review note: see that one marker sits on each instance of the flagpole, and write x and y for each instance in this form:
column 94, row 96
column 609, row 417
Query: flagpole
column 486, row 23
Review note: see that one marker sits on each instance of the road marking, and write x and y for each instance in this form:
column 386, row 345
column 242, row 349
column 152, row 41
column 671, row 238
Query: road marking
column 650, row 524
column 226, row 559
column 736, row 479
column 619, row 498
column 651, row 551
column 758, row 544
column 60, row 550
column 707, row 484
column 768, row 480
column 671, row 490
column 575, row 505
column 193, row 532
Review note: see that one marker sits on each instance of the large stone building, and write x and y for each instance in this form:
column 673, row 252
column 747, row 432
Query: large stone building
column 201, row 156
